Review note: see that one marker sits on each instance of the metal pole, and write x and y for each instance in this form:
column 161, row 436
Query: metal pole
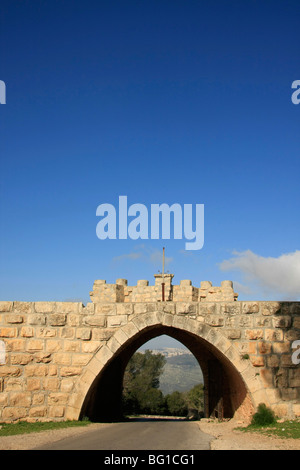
column 163, row 277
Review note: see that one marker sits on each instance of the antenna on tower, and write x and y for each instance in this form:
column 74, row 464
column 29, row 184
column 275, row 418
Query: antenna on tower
column 163, row 276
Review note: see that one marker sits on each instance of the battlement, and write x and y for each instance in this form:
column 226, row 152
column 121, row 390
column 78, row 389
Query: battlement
column 143, row 292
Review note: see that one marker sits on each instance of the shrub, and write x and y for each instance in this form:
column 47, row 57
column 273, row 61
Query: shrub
column 263, row 416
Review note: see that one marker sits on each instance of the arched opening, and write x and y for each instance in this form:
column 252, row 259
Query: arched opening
column 225, row 390
column 163, row 378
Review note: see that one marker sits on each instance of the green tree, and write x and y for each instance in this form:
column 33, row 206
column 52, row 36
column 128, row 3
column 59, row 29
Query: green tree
column 176, row 404
column 141, row 382
column 195, row 398
column 153, row 402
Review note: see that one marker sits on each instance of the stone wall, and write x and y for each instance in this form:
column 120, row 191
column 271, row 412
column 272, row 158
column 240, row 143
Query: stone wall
column 143, row 292
column 49, row 346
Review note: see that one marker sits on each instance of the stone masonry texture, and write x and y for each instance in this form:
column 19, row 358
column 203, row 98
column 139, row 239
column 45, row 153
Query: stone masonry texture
column 53, row 351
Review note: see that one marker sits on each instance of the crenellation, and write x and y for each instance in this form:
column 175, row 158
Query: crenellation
column 143, row 292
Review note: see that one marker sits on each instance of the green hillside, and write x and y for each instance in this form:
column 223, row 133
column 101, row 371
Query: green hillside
column 180, row 374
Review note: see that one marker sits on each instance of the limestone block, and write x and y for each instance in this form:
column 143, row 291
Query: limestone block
column 72, row 346
column 42, row 357
column 36, row 370
column 14, row 318
column 250, row 307
column 56, row 411
column 214, row 320
column 68, row 307
column 270, row 308
column 116, row 320
column 37, row 319
column 44, row 307
column 35, row 345
column 58, row 398
column 124, row 309
column 296, row 322
column 95, row 320
column 53, row 346
column 140, row 308
column 282, row 321
column 52, row 371
column 273, row 360
column 113, row 344
column 20, row 399
column 280, row 347
column 90, row 346
column 84, row 334
column 233, row 333
column 33, row 384
column 67, row 332
column 231, row 308
column 10, row 371
column 294, row 377
column 23, row 307
column 286, row 360
column 57, row 319
column 281, row 410
column 20, row 358
column 38, row 399
column 51, row 384
column 273, row 335
column 8, row 332
column 70, row 371
column 106, row 309
column 264, row 347
column 102, row 334
column 254, row 334
column 6, row 306
column 38, row 411
column 142, row 283
column 63, row 358
column 27, row 332
column 186, row 308
column 67, row 385
column 296, row 410
column 208, row 308
column 81, row 359
column 13, row 413
column 262, row 321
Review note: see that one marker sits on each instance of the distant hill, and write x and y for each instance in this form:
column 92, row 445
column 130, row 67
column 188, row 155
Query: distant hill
column 181, row 372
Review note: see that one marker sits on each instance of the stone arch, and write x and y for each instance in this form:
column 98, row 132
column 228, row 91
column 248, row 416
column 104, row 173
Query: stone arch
column 98, row 392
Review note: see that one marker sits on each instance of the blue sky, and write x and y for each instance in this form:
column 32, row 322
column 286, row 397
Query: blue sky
column 184, row 102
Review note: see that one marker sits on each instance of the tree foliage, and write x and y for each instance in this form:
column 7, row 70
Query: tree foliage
column 141, row 382
column 141, row 394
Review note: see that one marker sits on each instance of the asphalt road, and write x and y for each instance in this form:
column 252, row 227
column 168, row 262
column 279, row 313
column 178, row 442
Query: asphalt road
column 138, row 435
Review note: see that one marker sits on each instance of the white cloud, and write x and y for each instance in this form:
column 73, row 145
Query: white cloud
column 131, row 256
column 145, row 254
column 275, row 276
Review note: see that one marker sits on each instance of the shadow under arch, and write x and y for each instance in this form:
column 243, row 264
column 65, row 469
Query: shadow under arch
column 226, row 393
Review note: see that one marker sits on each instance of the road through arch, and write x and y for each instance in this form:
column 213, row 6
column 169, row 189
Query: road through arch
column 225, row 373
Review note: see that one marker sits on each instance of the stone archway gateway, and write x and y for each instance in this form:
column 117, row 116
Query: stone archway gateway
column 66, row 361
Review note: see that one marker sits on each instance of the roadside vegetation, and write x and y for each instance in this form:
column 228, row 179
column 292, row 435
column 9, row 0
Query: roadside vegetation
column 22, row 427
column 264, row 421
